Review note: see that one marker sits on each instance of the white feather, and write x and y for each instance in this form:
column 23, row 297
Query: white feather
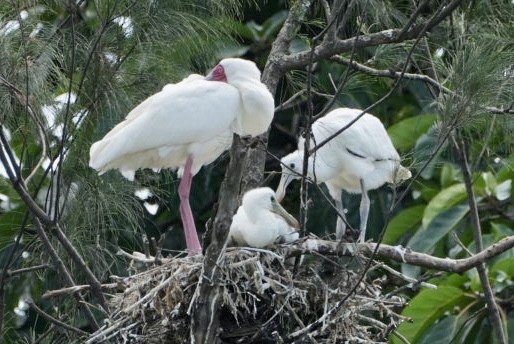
column 257, row 224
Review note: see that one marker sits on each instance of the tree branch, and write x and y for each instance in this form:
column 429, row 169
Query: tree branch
column 397, row 253
column 329, row 48
column 53, row 320
column 390, row 73
column 494, row 312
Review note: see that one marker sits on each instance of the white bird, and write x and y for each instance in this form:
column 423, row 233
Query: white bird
column 359, row 159
column 187, row 125
column 261, row 221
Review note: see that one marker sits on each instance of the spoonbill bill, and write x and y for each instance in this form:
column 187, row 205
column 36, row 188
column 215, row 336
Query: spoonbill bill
column 261, row 221
column 187, row 125
column 359, row 159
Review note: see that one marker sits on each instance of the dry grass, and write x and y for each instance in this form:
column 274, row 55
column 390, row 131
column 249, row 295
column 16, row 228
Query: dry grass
column 263, row 301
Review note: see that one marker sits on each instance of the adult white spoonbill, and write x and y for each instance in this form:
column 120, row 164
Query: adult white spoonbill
column 187, row 125
column 261, row 221
column 359, row 159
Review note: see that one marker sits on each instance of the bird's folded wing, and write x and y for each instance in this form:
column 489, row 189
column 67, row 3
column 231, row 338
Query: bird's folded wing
column 194, row 112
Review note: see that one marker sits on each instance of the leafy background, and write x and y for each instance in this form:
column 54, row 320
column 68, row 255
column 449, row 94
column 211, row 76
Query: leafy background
column 85, row 65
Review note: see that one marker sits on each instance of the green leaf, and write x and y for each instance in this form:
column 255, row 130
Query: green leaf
column 501, row 230
column 506, row 171
column 503, row 190
column 403, row 222
column 405, row 133
column 505, row 265
column 428, row 306
column 271, row 26
column 424, row 152
column 442, row 332
column 449, row 175
column 444, row 200
column 425, row 240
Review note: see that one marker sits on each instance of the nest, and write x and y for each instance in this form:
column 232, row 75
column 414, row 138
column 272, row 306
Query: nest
column 263, row 301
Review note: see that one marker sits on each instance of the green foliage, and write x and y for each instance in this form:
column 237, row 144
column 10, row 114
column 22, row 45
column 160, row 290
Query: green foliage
column 427, row 307
column 113, row 54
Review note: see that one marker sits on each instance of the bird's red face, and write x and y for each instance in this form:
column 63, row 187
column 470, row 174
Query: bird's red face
column 217, row 74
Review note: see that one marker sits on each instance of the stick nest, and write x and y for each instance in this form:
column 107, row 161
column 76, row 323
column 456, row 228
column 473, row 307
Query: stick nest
column 263, row 301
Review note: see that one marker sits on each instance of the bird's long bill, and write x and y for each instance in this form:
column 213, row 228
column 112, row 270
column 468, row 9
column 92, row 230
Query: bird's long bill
column 279, row 210
column 285, row 180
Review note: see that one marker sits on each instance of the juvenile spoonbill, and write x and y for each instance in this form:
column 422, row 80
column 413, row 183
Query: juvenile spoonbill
column 359, row 159
column 261, row 221
column 187, row 125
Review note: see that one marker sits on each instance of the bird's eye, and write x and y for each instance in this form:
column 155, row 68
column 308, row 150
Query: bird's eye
column 272, row 199
column 292, row 165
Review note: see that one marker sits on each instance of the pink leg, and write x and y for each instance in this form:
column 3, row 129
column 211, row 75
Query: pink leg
column 192, row 242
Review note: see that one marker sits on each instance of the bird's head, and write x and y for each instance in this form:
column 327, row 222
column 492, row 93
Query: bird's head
column 292, row 166
column 233, row 69
column 264, row 198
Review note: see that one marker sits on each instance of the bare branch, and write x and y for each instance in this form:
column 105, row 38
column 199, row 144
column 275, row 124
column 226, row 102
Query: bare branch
column 390, row 73
column 329, row 48
column 55, row 321
column 398, row 253
column 492, row 306
column 11, row 273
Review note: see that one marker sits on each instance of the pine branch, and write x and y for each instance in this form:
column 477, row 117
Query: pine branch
column 55, row 321
column 390, row 73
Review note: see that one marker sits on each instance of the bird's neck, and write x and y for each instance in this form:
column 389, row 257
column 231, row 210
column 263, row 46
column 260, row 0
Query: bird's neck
column 258, row 107
column 318, row 169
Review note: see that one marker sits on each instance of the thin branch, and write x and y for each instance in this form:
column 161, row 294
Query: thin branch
column 50, row 250
column 11, row 273
column 53, row 320
column 492, row 306
column 72, row 290
column 328, row 49
column 24, row 101
column 390, row 73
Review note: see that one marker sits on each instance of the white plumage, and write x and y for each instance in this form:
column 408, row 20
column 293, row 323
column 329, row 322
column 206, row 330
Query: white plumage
column 359, row 159
column 261, row 221
column 187, row 125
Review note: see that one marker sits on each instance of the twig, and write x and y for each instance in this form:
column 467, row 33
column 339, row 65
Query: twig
column 492, row 306
column 54, row 320
column 11, row 273
column 72, row 290
column 390, row 73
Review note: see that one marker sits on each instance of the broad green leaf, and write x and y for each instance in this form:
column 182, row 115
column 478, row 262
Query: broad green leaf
column 425, row 153
column 454, row 280
column 425, row 240
column 449, row 175
column 427, row 189
column 444, row 200
column 428, row 306
column 271, row 26
column 405, row 133
column 403, row 222
column 501, row 229
column 506, row 171
column 442, row 332
column 505, row 265
column 485, row 184
column 503, row 190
